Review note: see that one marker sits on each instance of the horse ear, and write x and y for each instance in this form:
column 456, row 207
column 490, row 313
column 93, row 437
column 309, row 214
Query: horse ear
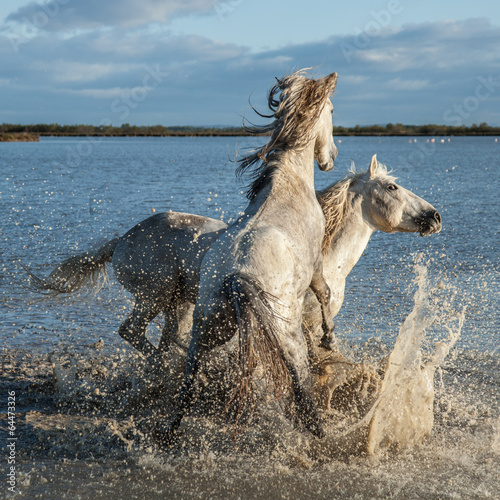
column 373, row 166
column 332, row 81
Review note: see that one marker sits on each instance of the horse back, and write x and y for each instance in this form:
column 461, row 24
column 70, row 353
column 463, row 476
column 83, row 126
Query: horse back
column 162, row 250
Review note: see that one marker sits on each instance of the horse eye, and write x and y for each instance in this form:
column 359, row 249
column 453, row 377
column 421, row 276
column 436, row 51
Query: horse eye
column 392, row 187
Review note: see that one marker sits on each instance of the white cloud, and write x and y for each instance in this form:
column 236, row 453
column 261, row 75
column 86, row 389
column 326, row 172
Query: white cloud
column 411, row 75
column 108, row 93
column 79, row 72
column 395, row 59
column 62, row 15
column 401, row 84
column 354, row 79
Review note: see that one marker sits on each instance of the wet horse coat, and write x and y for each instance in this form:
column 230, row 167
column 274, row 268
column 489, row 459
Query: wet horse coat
column 254, row 277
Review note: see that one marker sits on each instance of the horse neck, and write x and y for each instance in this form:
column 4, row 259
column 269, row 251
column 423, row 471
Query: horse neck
column 348, row 244
column 295, row 167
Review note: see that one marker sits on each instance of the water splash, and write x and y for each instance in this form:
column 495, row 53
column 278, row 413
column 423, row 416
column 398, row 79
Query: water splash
column 403, row 414
column 70, row 424
column 399, row 412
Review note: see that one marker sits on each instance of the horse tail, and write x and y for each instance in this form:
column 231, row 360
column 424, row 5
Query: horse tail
column 87, row 269
column 259, row 332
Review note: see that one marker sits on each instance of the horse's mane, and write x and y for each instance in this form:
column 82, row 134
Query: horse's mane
column 333, row 201
column 296, row 103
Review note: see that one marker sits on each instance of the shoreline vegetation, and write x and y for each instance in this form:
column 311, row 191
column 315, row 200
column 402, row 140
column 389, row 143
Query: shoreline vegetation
column 12, row 133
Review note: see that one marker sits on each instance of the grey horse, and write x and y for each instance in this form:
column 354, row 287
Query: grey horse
column 254, row 277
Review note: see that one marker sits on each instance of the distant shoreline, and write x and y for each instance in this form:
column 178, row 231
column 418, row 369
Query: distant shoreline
column 19, row 137
column 23, row 133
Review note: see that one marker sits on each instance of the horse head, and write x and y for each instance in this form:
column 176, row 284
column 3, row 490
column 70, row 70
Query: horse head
column 304, row 114
column 301, row 113
column 390, row 207
column 325, row 150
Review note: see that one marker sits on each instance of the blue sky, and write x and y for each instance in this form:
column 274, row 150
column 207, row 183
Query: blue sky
column 197, row 62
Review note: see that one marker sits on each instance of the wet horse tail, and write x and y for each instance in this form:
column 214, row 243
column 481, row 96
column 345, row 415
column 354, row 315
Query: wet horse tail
column 87, row 269
column 259, row 333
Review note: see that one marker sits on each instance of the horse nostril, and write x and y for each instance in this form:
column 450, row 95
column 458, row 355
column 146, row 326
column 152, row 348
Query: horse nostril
column 437, row 217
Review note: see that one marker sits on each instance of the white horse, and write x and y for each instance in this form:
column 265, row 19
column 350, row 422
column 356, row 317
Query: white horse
column 254, row 277
column 354, row 208
column 158, row 261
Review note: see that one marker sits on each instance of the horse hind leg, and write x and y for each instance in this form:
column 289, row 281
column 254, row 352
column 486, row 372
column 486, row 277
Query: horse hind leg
column 207, row 333
column 133, row 330
column 278, row 344
column 178, row 323
column 165, row 431
column 298, row 367
column 170, row 331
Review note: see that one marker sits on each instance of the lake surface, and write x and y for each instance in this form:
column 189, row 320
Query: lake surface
column 64, row 195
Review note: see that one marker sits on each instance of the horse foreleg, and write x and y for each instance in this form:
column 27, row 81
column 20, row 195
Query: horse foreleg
column 320, row 288
column 133, row 330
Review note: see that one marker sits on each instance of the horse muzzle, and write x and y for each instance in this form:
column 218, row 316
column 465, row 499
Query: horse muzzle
column 429, row 223
column 329, row 164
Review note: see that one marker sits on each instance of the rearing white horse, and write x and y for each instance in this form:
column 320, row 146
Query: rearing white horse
column 255, row 276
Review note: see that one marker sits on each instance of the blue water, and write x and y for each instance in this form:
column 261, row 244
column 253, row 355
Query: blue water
column 64, row 195
column 88, row 440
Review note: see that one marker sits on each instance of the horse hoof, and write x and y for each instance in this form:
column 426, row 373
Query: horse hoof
column 165, row 433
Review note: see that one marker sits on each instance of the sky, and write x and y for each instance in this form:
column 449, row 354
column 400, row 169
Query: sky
column 202, row 62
